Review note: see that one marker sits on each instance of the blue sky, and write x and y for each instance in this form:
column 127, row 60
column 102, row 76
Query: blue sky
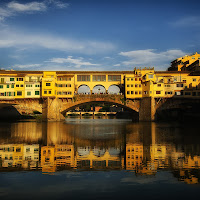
column 96, row 34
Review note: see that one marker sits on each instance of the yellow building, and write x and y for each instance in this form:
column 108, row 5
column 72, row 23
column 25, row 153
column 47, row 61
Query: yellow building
column 19, row 87
column 49, row 84
column 65, row 86
column 33, row 86
column 7, row 87
column 186, row 63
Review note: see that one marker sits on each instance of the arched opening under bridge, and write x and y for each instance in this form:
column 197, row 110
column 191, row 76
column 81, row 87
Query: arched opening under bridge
column 106, row 108
column 99, row 89
column 84, row 89
column 114, row 89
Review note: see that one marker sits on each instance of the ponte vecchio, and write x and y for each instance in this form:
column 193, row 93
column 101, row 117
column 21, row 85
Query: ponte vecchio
column 53, row 93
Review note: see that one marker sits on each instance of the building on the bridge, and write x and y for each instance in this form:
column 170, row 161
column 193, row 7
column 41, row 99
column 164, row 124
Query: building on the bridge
column 32, row 86
column 7, row 87
column 186, row 63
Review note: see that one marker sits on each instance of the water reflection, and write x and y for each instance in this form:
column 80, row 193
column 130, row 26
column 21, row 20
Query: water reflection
column 141, row 149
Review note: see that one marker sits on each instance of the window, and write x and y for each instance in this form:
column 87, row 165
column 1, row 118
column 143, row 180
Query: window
column 17, row 85
column 136, row 85
column 184, row 81
column 27, row 149
column 131, row 85
column 1, row 86
column 8, row 86
column 128, row 85
column 193, row 93
column 139, row 85
column 12, row 79
column 194, row 79
column 178, row 93
column 158, row 92
column 179, row 85
column 135, row 79
column 45, row 92
column 20, row 79
column 2, row 80
column 159, row 85
column 132, row 92
column 21, row 85
column 145, row 92
column 12, row 86
column 150, row 76
column 37, row 92
column 18, row 149
column 187, row 93
column 28, row 93
column 48, row 84
column 128, row 92
column 99, row 77
column 114, row 78
column 168, row 93
column 37, row 85
column 83, row 77
column 127, row 79
column 19, row 93
column 136, row 92
column 50, row 92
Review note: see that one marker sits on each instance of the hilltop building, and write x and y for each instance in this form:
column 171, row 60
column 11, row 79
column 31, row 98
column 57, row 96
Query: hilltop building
column 186, row 63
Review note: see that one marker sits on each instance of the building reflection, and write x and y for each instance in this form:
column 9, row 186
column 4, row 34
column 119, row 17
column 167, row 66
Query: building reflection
column 140, row 149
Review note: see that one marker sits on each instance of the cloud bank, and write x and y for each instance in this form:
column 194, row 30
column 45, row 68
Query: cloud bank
column 150, row 57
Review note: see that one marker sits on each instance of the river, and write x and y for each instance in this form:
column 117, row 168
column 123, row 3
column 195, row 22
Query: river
column 99, row 159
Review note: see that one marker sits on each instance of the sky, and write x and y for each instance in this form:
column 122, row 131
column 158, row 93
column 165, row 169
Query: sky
column 97, row 34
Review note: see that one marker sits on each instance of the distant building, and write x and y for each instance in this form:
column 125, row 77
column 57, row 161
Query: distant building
column 186, row 63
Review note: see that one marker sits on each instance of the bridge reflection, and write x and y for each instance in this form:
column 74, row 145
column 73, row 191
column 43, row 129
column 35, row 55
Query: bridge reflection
column 142, row 149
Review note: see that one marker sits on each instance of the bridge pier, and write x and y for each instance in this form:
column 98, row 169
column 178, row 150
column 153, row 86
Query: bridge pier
column 51, row 110
column 147, row 109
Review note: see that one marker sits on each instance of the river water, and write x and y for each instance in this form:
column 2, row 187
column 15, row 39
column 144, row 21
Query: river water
column 99, row 159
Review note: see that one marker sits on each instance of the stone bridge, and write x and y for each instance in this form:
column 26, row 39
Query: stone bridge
column 54, row 109
column 57, row 108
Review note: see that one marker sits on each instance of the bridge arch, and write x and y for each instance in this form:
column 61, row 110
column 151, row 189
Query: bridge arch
column 84, row 89
column 114, row 89
column 110, row 99
column 99, row 89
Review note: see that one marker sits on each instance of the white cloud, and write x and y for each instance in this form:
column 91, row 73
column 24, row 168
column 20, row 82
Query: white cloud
column 14, row 8
column 187, row 22
column 150, row 57
column 27, row 66
column 77, row 62
column 117, row 65
column 58, row 4
column 33, row 6
column 17, row 39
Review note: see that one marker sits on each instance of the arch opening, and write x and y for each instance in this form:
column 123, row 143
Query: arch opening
column 114, row 89
column 84, row 89
column 99, row 89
